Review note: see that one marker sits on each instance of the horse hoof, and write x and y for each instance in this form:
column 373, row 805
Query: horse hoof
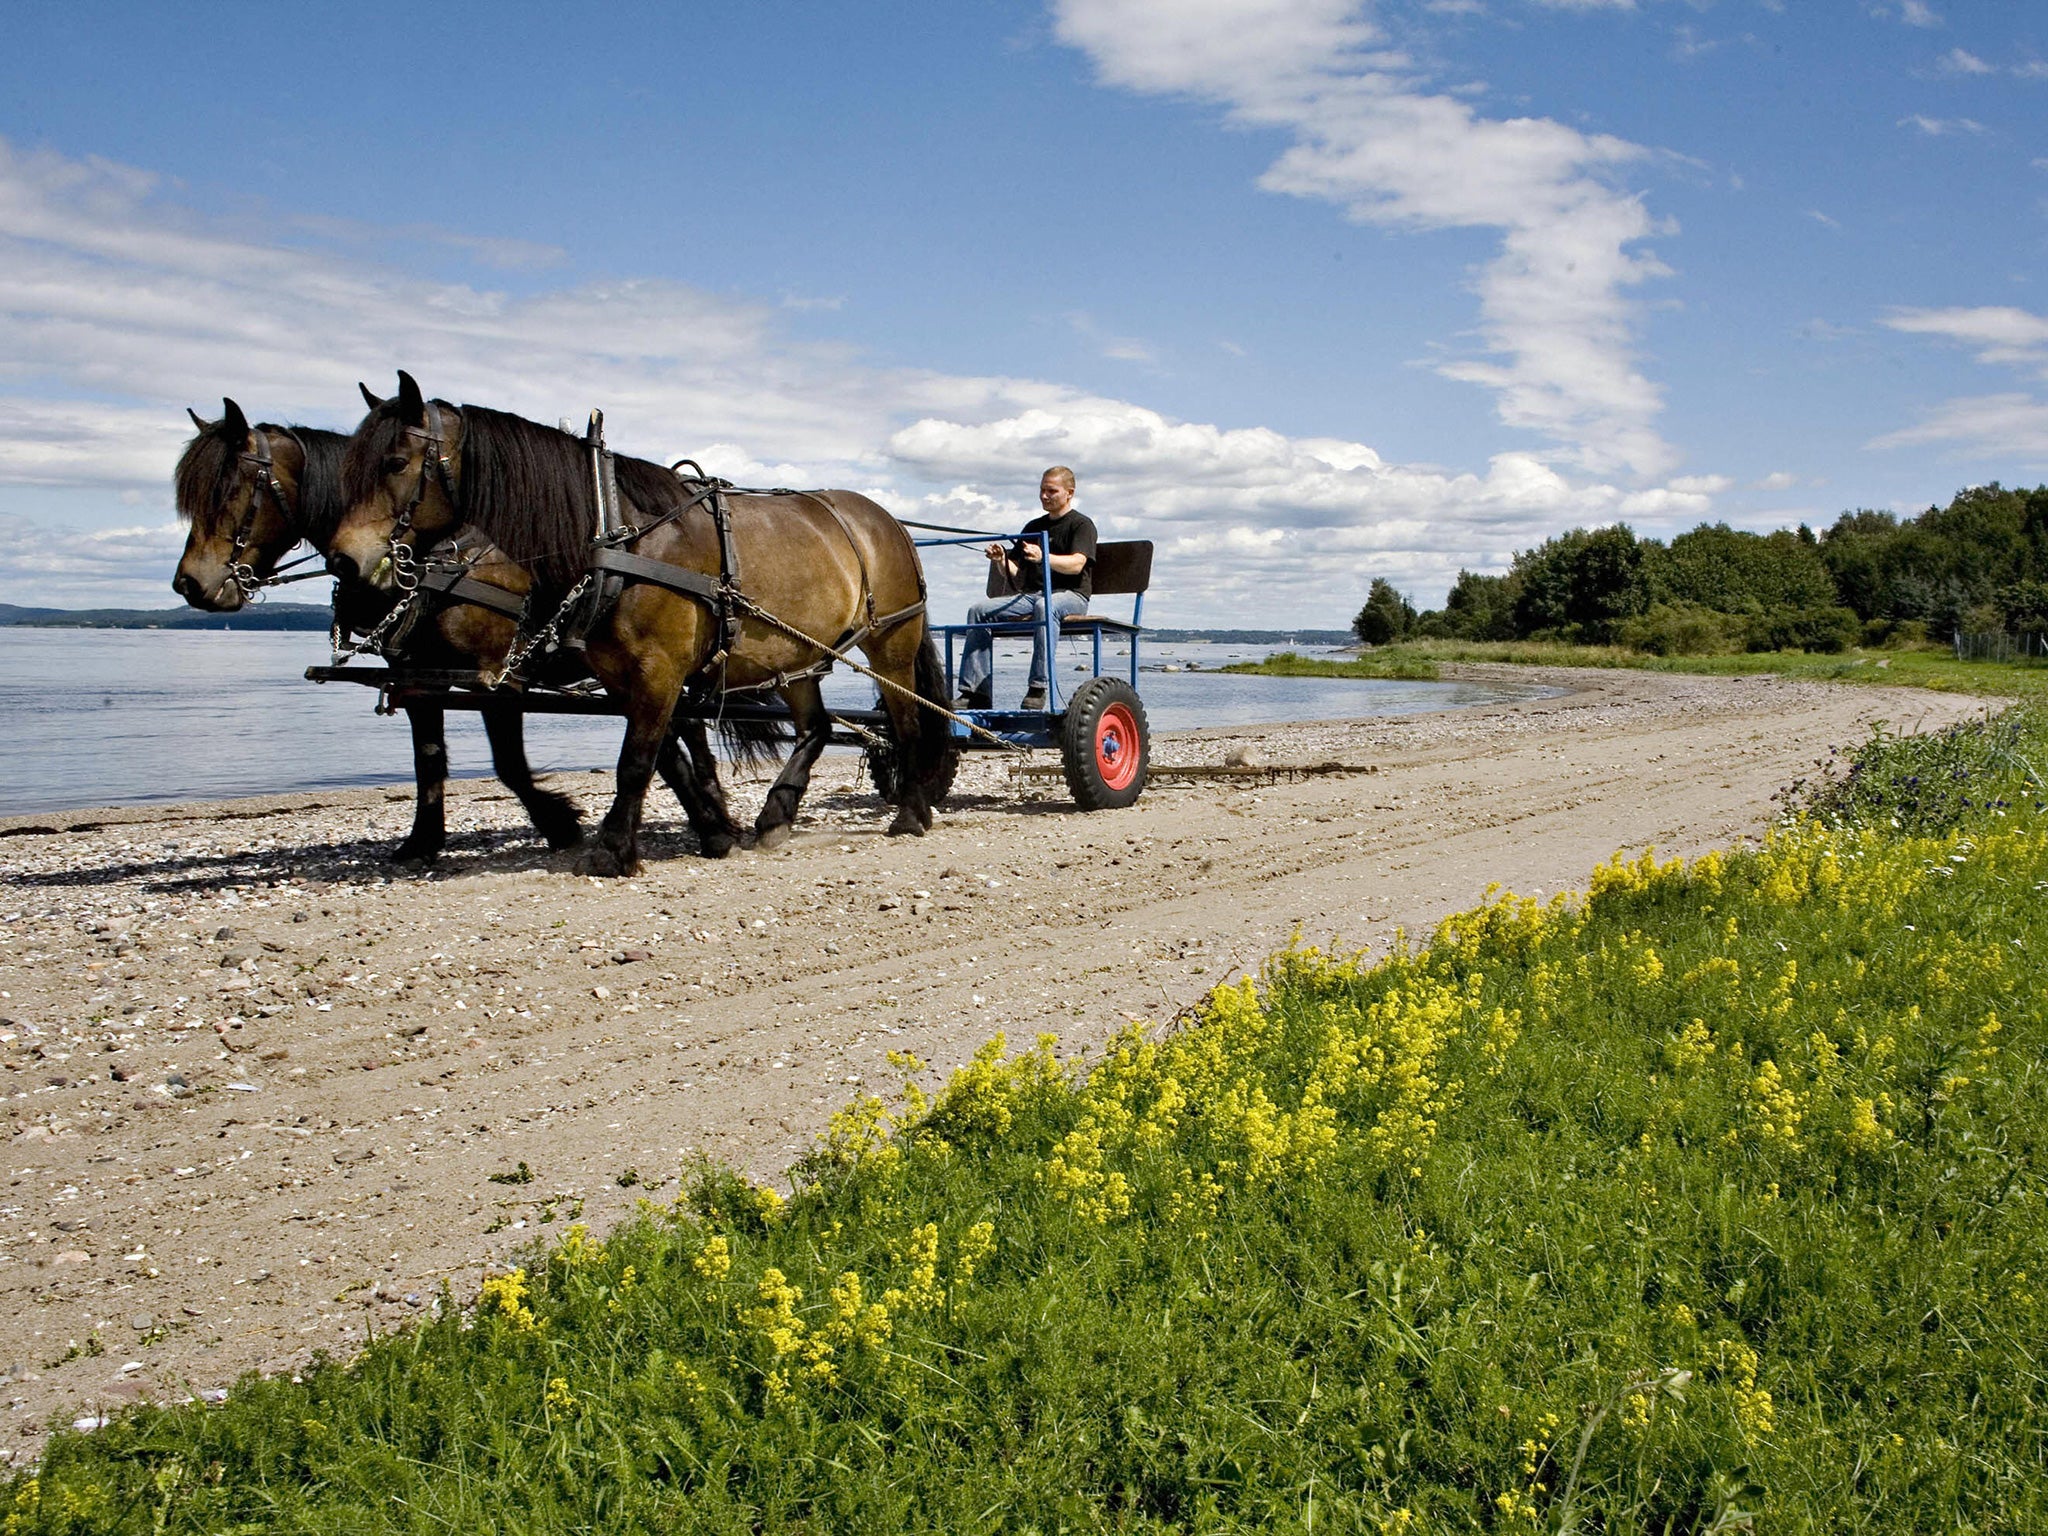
column 717, row 845
column 568, row 835
column 768, row 839
column 411, row 855
column 601, row 861
column 906, row 824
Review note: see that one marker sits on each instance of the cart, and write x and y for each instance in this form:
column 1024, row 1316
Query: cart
column 1100, row 730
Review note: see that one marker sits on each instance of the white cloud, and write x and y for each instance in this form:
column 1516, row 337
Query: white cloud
column 1940, row 127
column 1823, row 219
column 99, row 568
column 2006, row 428
column 2000, row 334
column 1918, row 13
column 2010, row 428
column 119, row 307
column 1367, row 135
column 1960, row 61
column 1777, row 480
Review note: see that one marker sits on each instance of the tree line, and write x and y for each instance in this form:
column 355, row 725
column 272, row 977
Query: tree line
column 1979, row 564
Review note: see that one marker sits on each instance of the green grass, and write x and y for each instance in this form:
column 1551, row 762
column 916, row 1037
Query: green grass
column 1387, row 661
column 1711, row 1199
column 1937, row 669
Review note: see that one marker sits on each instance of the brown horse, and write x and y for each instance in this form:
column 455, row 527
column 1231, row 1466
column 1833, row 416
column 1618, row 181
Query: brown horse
column 819, row 572
column 250, row 494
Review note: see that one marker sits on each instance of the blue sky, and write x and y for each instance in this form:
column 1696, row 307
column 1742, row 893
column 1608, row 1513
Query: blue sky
column 1308, row 292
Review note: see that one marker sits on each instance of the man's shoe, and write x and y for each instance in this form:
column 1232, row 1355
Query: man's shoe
column 974, row 698
column 1035, row 699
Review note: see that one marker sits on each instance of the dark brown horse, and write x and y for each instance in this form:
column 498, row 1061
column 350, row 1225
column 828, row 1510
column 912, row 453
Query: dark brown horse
column 252, row 493
column 819, row 571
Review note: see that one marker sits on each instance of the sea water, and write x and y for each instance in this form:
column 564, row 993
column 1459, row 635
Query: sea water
column 128, row 716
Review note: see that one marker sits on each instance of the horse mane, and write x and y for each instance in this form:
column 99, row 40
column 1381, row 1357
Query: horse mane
column 206, row 472
column 320, row 503
column 525, row 487
column 210, row 468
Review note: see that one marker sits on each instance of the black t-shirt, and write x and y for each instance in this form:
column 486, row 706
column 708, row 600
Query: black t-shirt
column 1070, row 534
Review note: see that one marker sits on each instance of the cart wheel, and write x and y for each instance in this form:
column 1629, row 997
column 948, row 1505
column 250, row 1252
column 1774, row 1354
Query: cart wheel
column 882, row 773
column 1105, row 745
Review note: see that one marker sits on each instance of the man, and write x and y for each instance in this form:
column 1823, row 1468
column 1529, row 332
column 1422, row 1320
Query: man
column 1072, row 539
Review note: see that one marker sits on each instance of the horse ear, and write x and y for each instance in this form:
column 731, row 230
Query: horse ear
column 195, row 419
column 232, row 422
column 368, row 399
column 412, row 405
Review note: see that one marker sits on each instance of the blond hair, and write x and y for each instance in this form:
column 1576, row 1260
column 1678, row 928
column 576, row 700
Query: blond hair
column 1063, row 472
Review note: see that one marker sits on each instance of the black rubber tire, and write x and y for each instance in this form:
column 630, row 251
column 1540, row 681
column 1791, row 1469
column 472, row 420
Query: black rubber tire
column 1105, row 744
column 882, row 772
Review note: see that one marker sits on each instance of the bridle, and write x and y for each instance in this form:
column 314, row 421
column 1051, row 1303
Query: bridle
column 404, row 557
column 240, row 572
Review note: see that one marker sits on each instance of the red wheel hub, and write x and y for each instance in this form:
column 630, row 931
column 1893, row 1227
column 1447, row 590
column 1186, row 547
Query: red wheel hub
column 1116, row 747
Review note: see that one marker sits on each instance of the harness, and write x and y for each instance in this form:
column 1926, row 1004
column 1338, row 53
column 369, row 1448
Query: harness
column 612, row 565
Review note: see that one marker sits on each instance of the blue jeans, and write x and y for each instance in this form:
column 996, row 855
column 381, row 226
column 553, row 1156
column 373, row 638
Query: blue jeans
column 977, row 652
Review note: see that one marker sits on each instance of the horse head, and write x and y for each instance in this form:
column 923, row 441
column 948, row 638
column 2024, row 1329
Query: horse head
column 400, row 477
column 240, row 489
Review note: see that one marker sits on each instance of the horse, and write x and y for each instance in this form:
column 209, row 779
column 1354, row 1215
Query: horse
column 250, row 494
column 765, row 600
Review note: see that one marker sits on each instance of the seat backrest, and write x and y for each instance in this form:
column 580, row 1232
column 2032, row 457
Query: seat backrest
column 1122, row 566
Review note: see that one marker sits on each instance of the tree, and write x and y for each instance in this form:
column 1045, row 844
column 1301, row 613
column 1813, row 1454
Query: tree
column 1581, row 583
column 1386, row 615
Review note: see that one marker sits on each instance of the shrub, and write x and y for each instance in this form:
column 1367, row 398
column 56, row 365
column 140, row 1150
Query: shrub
column 1682, row 629
column 1802, row 629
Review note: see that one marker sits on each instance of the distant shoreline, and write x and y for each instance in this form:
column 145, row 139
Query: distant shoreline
column 317, row 616
column 271, row 616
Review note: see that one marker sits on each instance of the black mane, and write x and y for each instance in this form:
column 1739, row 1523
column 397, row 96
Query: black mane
column 210, row 469
column 320, row 503
column 525, row 487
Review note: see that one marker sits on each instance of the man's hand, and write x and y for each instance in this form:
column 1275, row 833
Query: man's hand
column 993, row 551
column 1028, row 549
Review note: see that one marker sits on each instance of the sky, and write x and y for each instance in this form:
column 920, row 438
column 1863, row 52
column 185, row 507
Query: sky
column 1306, row 291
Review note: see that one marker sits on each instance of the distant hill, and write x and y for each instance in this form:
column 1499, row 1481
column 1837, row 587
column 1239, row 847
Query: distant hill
column 313, row 616
column 264, row 616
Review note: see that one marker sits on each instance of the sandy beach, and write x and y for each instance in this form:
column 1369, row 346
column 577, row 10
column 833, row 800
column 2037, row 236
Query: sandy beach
column 266, row 1094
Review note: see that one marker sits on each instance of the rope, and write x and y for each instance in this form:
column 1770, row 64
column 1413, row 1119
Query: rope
column 755, row 610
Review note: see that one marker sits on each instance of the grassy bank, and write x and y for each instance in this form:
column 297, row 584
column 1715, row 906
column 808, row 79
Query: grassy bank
column 1714, row 1196
column 1910, row 668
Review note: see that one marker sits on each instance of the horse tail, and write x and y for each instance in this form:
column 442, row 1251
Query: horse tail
column 753, row 743
column 932, row 756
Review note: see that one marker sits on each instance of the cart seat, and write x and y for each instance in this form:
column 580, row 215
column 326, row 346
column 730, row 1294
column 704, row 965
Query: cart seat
column 1122, row 567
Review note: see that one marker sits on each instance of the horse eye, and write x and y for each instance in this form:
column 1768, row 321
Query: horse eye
column 394, row 466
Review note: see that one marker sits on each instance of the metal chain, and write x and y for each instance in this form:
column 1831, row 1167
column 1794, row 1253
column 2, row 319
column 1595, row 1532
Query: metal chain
column 517, row 657
column 372, row 643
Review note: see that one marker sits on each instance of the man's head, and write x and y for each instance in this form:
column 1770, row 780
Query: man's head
column 1056, row 490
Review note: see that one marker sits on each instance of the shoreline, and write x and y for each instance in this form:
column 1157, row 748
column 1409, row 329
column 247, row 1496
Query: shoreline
column 260, row 1085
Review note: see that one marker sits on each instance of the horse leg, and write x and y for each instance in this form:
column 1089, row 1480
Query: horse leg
column 430, row 775
column 925, row 752
column 554, row 815
column 615, row 850
column 709, row 819
column 813, row 730
column 705, row 761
